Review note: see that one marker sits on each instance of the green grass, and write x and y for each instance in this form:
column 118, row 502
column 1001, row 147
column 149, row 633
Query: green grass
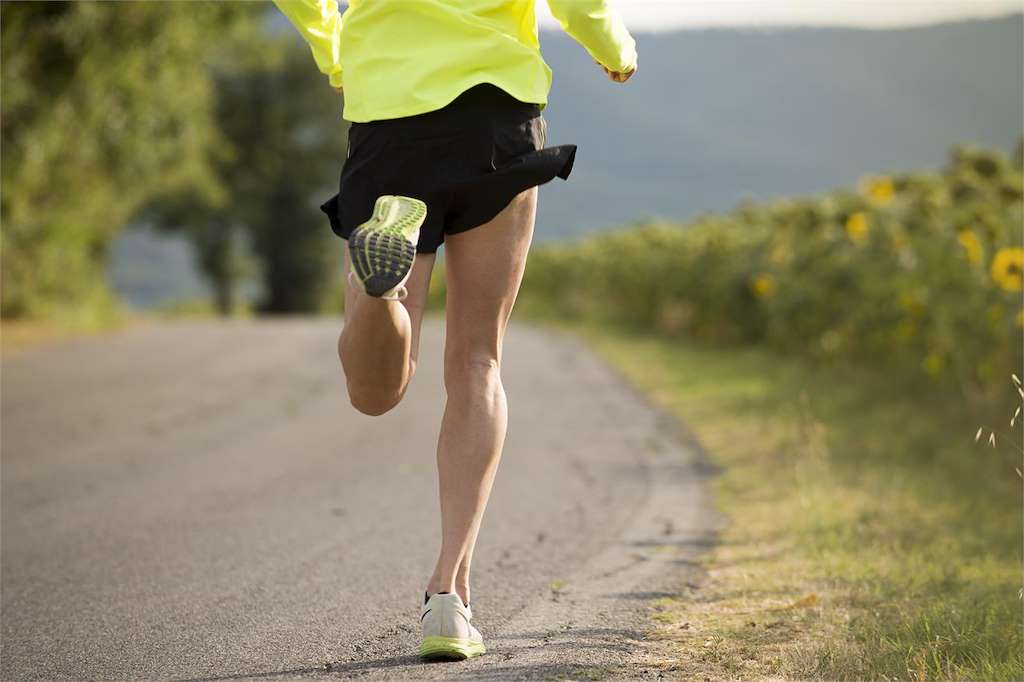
column 868, row 537
column 23, row 334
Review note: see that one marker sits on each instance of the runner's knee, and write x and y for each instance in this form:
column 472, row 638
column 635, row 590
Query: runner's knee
column 471, row 370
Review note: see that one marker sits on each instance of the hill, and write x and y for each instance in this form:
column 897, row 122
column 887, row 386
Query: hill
column 716, row 116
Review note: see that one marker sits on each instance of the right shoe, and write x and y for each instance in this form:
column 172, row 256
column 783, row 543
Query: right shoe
column 383, row 248
column 447, row 632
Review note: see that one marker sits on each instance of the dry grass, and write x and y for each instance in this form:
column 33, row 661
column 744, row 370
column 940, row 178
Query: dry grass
column 17, row 336
column 869, row 537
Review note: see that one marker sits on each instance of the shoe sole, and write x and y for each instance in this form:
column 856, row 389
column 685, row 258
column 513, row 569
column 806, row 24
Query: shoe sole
column 383, row 248
column 450, row 648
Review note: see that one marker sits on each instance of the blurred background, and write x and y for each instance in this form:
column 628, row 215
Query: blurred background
column 151, row 162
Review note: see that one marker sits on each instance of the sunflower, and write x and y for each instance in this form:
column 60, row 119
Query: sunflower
column 763, row 286
column 933, row 364
column 971, row 245
column 1008, row 268
column 857, row 226
column 880, row 190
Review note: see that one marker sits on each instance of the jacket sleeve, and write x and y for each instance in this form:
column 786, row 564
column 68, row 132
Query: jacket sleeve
column 596, row 26
column 319, row 22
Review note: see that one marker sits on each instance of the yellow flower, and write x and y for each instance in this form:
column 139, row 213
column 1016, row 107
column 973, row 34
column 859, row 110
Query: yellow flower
column 763, row 286
column 933, row 364
column 880, row 190
column 971, row 245
column 857, row 226
column 1008, row 269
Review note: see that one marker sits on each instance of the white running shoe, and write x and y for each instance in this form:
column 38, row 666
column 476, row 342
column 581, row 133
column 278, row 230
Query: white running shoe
column 447, row 632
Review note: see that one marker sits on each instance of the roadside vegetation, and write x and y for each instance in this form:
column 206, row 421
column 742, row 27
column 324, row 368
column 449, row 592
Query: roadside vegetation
column 869, row 537
column 160, row 114
column 917, row 274
column 847, row 361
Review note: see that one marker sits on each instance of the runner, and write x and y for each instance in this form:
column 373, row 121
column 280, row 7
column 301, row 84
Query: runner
column 446, row 145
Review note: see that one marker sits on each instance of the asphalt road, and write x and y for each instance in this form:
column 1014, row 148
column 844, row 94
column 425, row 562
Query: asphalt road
column 199, row 501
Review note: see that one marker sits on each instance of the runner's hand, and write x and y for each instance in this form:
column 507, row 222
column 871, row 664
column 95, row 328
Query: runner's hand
column 617, row 76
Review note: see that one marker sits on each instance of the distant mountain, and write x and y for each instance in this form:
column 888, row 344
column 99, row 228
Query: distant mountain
column 715, row 116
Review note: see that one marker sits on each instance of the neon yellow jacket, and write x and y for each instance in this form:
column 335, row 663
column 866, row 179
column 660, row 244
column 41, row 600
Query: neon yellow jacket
column 398, row 58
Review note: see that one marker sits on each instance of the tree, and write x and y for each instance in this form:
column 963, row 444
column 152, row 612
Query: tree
column 285, row 144
column 288, row 135
column 105, row 106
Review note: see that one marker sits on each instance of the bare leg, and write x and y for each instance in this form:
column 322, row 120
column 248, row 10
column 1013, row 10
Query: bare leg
column 484, row 269
column 379, row 343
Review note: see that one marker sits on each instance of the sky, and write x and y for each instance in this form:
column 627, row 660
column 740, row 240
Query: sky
column 667, row 15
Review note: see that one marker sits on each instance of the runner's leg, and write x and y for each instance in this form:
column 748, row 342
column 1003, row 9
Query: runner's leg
column 379, row 342
column 484, row 268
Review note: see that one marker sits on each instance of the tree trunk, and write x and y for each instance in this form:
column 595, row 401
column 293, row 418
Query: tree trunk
column 224, row 296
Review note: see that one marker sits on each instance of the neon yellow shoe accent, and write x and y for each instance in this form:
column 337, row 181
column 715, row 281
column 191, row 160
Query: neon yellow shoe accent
column 383, row 248
column 447, row 630
column 451, row 648
column 397, row 216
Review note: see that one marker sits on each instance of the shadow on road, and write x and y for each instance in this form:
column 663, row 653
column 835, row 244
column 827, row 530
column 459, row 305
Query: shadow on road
column 326, row 669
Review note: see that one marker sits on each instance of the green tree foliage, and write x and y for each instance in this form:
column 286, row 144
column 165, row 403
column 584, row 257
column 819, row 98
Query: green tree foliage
column 288, row 131
column 105, row 106
column 284, row 133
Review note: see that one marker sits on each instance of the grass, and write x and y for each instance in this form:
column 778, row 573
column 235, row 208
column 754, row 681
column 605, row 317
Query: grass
column 869, row 536
column 20, row 335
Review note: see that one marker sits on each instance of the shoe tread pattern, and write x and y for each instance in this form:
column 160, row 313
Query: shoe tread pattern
column 382, row 255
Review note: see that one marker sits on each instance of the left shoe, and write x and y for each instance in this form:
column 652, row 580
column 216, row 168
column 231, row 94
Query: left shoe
column 447, row 633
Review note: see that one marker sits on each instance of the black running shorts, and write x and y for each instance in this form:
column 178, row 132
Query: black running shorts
column 466, row 161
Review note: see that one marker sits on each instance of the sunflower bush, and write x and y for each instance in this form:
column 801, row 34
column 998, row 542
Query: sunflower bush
column 918, row 273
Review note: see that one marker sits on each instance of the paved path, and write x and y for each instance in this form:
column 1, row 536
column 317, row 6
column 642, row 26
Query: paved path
column 199, row 501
